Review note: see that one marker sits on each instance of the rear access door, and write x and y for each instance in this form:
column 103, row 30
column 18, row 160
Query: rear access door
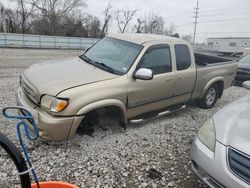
column 185, row 75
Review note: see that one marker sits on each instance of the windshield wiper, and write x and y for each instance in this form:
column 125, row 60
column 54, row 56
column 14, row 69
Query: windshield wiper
column 98, row 64
column 85, row 58
column 104, row 66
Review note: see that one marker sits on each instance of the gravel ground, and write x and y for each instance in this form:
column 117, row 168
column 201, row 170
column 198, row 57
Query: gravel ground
column 152, row 154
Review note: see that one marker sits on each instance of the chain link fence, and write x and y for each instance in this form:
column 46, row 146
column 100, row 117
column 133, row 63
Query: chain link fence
column 44, row 41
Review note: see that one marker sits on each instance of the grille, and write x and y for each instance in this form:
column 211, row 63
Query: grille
column 29, row 90
column 239, row 164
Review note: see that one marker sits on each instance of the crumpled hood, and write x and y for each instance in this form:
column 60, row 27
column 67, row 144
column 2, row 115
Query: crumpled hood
column 232, row 124
column 52, row 77
column 244, row 66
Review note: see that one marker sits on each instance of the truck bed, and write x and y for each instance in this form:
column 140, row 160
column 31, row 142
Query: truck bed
column 209, row 60
column 209, row 67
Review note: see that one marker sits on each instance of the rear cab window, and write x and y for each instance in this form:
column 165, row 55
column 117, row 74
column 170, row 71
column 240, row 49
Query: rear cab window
column 183, row 57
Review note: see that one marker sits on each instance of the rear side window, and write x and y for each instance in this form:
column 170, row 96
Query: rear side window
column 158, row 60
column 183, row 58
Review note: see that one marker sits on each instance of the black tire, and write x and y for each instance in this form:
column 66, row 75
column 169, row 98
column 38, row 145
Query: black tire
column 210, row 97
column 17, row 158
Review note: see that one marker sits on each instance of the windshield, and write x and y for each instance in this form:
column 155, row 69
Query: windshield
column 245, row 59
column 113, row 55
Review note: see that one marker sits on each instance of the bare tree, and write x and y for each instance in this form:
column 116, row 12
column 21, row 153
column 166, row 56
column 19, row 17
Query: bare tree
column 54, row 10
column 2, row 18
column 56, row 6
column 138, row 27
column 107, row 18
column 171, row 29
column 9, row 20
column 188, row 38
column 123, row 17
column 25, row 11
column 92, row 25
column 52, row 17
column 176, row 35
column 153, row 24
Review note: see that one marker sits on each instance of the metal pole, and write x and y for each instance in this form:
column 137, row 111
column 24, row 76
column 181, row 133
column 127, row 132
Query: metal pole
column 5, row 40
column 80, row 44
column 23, row 41
column 40, row 41
column 54, row 41
column 195, row 19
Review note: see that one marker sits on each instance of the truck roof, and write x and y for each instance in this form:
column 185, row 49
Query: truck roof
column 140, row 38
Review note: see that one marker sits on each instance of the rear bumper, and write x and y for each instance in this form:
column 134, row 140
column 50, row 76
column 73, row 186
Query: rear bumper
column 212, row 167
column 50, row 127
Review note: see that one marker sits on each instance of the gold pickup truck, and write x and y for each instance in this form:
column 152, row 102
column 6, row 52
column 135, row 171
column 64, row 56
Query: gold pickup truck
column 134, row 76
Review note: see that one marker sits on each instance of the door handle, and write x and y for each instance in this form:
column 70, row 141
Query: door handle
column 168, row 80
column 179, row 78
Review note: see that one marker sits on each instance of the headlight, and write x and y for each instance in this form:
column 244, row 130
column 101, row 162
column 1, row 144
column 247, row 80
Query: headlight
column 206, row 134
column 54, row 104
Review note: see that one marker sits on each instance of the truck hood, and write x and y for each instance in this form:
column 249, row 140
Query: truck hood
column 232, row 124
column 244, row 66
column 52, row 77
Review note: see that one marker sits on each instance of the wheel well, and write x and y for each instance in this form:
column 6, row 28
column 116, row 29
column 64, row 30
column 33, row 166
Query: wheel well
column 109, row 111
column 220, row 85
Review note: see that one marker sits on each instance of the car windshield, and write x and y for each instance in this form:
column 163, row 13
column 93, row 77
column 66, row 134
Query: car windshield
column 245, row 59
column 113, row 55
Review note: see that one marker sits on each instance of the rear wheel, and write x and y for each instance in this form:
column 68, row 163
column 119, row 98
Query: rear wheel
column 210, row 98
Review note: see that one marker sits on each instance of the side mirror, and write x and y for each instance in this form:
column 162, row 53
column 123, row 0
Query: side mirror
column 144, row 74
column 246, row 84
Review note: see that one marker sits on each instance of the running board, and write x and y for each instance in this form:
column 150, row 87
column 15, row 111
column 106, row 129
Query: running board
column 158, row 115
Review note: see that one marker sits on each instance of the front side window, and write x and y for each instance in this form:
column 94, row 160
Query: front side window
column 158, row 60
column 183, row 57
column 113, row 55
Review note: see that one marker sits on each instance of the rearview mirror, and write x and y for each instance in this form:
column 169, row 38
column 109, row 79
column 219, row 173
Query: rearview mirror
column 144, row 74
column 246, row 84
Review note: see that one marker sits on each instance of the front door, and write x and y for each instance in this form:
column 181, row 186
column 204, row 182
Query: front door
column 148, row 95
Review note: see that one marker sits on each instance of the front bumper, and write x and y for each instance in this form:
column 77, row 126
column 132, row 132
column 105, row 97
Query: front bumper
column 212, row 167
column 240, row 78
column 50, row 127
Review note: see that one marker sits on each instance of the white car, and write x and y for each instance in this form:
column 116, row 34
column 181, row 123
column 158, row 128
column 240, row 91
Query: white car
column 221, row 151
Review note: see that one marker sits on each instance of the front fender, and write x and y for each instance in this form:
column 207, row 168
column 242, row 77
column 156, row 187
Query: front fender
column 105, row 103
column 99, row 104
